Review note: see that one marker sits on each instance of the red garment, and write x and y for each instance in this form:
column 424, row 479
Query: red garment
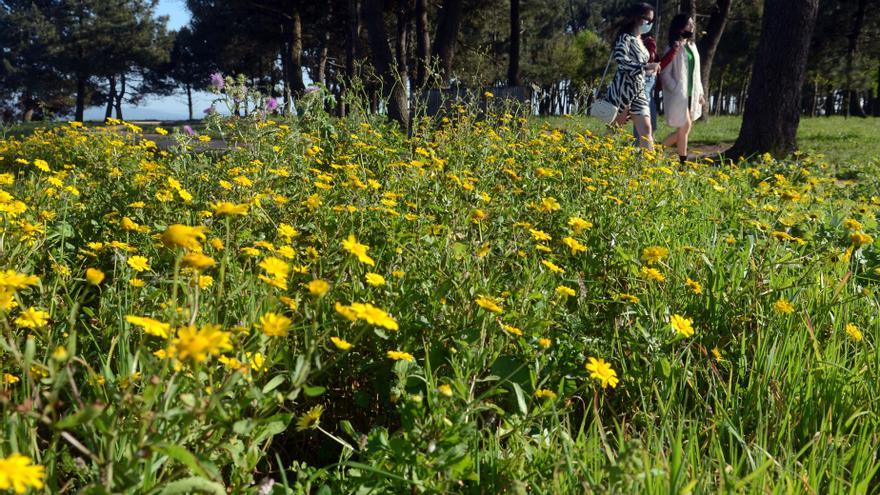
column 668, row 58
column 651, row 44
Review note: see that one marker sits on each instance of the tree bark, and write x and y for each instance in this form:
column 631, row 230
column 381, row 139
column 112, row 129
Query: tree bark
column 772, row 111
column 401, row 45
column 294, row 74
column 709, row 43
column 119, row 95
column 189, row 100
column 111, row 97
column 688, row 7
column 513, row 63
column 447, row 32
column 79, row 112
column 392, row 86
column 851, row 48
column 423, row 43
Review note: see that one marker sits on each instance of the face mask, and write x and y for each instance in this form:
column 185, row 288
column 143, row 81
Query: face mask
column 687, row 34
column 646, row 27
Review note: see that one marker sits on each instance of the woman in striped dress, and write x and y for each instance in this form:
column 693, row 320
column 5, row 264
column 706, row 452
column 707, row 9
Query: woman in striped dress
column 627, row 90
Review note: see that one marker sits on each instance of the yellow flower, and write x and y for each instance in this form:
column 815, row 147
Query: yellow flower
column 543, row 393
column 13, row 280
column 257, row 361
column 42, row 165
column 852, row 224
column 60, row 354
column 445, row 390
column 199, row 343
column 222, row 208
column 205, row 281
column 654, row 254
column 150, row 326
column 198, row 261
column 318, row 287
column 400, row 356
column 10, row 379
column 287, row 232
column 375, row 279
column 32, row 318
column 602, row 371
column 274, row 325
column 544, row 342
column 488, row 304
column 860, row 239
column 623, row 296
column 291, row 303
column 139, row 263
column 854, row 332
column 573, row 244
column 565, row 291
column 340, row 344
column 310, row 419
column 136, row 282
column 512, row 330
column 346, row 311
column 374, row 315
column 360, row 250
column 681, row 325
column 540, row 235
column 549, row 205
column 275, row 267
column 552, row 266
column 7, row 299
column 216, row 244
column 184, row 236
column 783, row 306
column 94, row 276
column 652, row 274
column 579, row 225
column 694, row 286
column 18, row 473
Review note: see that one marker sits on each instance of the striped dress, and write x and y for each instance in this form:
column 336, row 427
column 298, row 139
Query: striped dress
column 627, row 90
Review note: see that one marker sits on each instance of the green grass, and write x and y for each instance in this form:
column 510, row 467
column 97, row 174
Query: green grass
column 841, row 141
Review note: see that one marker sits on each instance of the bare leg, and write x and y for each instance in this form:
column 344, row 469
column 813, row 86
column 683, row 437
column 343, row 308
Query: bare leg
column 621, row 118
column 683, row 133
column 642, row 124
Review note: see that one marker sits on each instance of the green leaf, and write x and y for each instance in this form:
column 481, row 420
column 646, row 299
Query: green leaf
column 195, row 484
column 186, row 458
column 90, row 412
column 273, row 384
column 520, row 399
column 314, row 391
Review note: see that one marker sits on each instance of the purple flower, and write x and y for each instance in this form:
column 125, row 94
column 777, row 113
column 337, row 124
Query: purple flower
column 312, row 89
column 217, row 81
column 188, row 130
column 271, row 104
column 210, row 110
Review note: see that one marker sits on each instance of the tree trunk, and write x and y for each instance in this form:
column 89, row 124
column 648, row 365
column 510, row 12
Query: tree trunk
column 852, row 46
column 401, row 45
column 688, row 7
column 119, row 95
column 423, row 43
column 189, row 100
column 111, row 97
column 447, row 32
column 877, row 95
column 80, row 98
column 772, row 115
column 392, row 87
column 294, row 74
column 513, row 62
column 322, row 59
column 709, row 43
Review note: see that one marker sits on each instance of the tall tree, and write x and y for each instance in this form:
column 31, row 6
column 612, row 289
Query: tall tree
column 709, row 44
column 423, row 43
column 772, row 110
column 393, row 86
column 447, row 32
column 513, row 58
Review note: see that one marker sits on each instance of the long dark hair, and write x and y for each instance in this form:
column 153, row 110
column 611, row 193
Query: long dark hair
column 630, row 18
column 678, row 24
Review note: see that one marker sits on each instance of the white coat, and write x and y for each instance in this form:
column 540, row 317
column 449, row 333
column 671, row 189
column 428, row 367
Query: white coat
column 674, row 78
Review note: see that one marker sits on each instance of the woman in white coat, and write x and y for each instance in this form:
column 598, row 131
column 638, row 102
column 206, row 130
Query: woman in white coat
column 682, row 88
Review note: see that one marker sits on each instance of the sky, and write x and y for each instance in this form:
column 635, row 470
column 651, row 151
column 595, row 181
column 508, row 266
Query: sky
column 170, row 107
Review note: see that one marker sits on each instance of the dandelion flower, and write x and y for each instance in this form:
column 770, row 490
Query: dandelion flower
column 32, row 318
column 360, row 250
column 573, row 244
column 318, row 287
column 544, row 342
column 198, row 261
column 311, row 419
column 860, row 239
column 400, row 356
column 199, row 343
column 681, row 325
column 375, row 279
column 553, row 267
column 274, row 325
column 782, row 306
column 543, row 393
column 652, row 274
column 654, row 254
column 565, row 291
column 139, row 263
column 225, row 208
column 488, row 304
column 602, row 371
column 512, row 330
column 854, row 332
column 340, row 344
column 18, row 473
column 184, row 236
column 150, row 326
column 694, row 286
column 94, row 276
column 11, row 279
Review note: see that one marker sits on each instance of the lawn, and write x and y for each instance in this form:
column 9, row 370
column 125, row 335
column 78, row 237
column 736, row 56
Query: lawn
column 487, row 306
